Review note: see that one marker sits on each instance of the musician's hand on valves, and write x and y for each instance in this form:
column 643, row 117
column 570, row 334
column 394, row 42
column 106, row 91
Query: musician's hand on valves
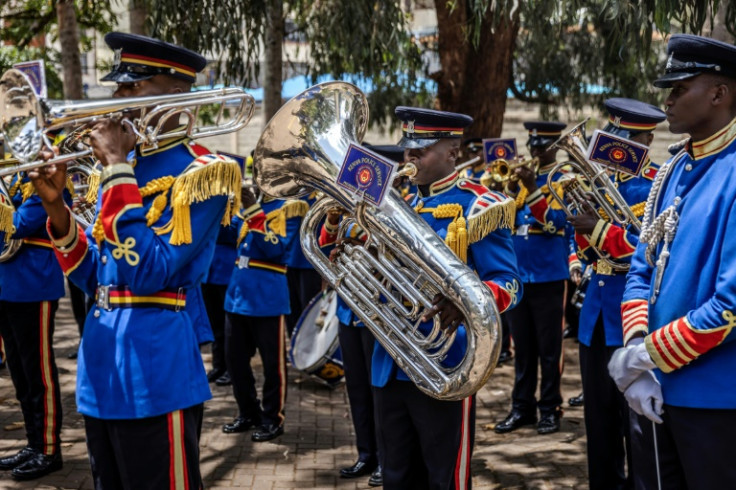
column 450, row 316
column 111, row 140
column 585, row 222
column 50, row 182
column 528, row 177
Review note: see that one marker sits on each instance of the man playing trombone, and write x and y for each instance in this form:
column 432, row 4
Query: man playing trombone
column 141, row 382
column 600, row 332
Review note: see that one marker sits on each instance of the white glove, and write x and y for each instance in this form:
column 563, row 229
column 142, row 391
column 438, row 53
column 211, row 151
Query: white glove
column 645, row 397
column 627, row 363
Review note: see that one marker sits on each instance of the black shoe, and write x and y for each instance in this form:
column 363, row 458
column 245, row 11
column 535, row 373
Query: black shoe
column 266, row 433
column 376, row 479
column 10, row 462
column 224, row 380
column 213, row 374
column 576, row 401
column 513, row 421
column 360, row 468
column 549, row 422
column 38, row 466
column 240, row 424
column 505, row 356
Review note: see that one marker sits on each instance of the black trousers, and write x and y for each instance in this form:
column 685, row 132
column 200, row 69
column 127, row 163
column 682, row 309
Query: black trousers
column 606, row 417
column 425, row 443
column 81, row 305
column 694, row 448
column 28, row 333
column 243, row 336
column 505, row 333
column 146, row 454
column 304, row 284
column 214, row 302
column 536, row 327
column 356, row 345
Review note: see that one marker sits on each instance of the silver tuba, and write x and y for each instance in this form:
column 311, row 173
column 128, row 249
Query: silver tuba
column 588, row 182
column 302, row 149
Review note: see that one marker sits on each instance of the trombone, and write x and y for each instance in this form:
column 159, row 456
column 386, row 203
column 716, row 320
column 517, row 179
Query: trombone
column 26, row 120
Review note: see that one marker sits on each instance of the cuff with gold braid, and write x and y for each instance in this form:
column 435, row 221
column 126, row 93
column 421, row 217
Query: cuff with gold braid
column 72, row 247
column 635, row 318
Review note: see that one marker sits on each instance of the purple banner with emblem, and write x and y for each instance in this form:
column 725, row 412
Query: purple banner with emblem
column 617, row 153
column 36, row 73
column 365, row 174
column 499, row 149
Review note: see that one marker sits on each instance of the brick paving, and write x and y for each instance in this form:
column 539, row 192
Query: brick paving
column 318, row 437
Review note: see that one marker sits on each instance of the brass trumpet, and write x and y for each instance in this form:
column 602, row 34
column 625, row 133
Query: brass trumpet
column 503, row 171
column 26, row 120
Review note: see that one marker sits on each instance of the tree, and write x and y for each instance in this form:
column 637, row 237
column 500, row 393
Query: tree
column 70, row 55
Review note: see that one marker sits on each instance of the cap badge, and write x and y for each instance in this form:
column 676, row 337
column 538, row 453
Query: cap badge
column 116, row 59
column 669, row 62
column 410, row 127
column 617, row 121
column 534, row 132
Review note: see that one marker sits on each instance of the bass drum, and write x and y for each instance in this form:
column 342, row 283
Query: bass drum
column 315, row 348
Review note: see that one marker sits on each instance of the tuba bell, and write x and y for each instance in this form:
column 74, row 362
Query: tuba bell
column 301, row 150
column 588, row 182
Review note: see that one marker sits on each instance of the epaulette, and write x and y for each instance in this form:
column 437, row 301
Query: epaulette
column 295, row 208
column 650, row 170
column 6, row 215
column 490, row 211
column 207, row 176
column 276, row 221
column 675, row 148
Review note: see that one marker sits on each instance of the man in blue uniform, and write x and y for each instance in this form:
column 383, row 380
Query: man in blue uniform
column 31, row 284
column 410, row 423
column 141, row 382
column 600, row 331
column 256, row 303
column 677, row 368
column 537, row 323
column 473, row 148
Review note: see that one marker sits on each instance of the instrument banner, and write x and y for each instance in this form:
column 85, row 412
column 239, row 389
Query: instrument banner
column 36, row 73
column 617, row 153
column 366, row 175
column 499, row 149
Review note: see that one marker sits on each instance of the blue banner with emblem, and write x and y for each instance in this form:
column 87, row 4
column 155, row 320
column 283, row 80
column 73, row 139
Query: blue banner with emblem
column 365, row 174
column 36, row 73
column 617, row 153
column 499, row 149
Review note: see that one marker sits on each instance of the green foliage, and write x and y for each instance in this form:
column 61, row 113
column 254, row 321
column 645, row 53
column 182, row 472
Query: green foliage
column 10, row 55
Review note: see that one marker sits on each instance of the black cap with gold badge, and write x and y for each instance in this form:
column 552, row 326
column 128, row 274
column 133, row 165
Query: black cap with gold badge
column 691, row 55
column 140, row 58
column 628, row 117
column 543, row 133
column 424, row 127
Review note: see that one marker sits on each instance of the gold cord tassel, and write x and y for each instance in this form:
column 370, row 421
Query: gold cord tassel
column 6, row 219
column 98, row 232
column 451, row 237
column 93, row 187
column 243, row 233
column 158, row 206
column 462, row 240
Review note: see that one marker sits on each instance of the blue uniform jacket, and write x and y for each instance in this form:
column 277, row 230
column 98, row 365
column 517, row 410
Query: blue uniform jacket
column 223, row 260
column 605, row 289
column 689, row 327
column 154, row 234
column 258, row 285
column 295, row 210
column 33, row 274
column 490, row 254
column 539, row 235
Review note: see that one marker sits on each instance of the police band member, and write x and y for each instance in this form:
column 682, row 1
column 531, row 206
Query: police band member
column 537, row 323
column 473, row 148
column 141, row 382
column 256, row 303
column 427, row 443
column 30, row 287
column 600, row 331
column 677, row 366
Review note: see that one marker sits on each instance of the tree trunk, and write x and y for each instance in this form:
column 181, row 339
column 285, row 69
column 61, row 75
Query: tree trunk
column 474, row 80
column 137, row 17
column 273, row 47
column 70, row 56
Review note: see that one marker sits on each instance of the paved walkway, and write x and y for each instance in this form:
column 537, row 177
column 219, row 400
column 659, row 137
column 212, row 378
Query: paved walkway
column 319, row 437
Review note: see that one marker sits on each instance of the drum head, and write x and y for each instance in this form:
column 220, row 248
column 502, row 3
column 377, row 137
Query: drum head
column 312, row 343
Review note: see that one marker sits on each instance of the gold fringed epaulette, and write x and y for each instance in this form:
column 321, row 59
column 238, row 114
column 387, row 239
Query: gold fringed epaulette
column 208, row 176
column 295, row 209
column 93, row 187
column 6, row 217
column 27, row 190
column 488, row 213
column 276, row 221
column 457, row 231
